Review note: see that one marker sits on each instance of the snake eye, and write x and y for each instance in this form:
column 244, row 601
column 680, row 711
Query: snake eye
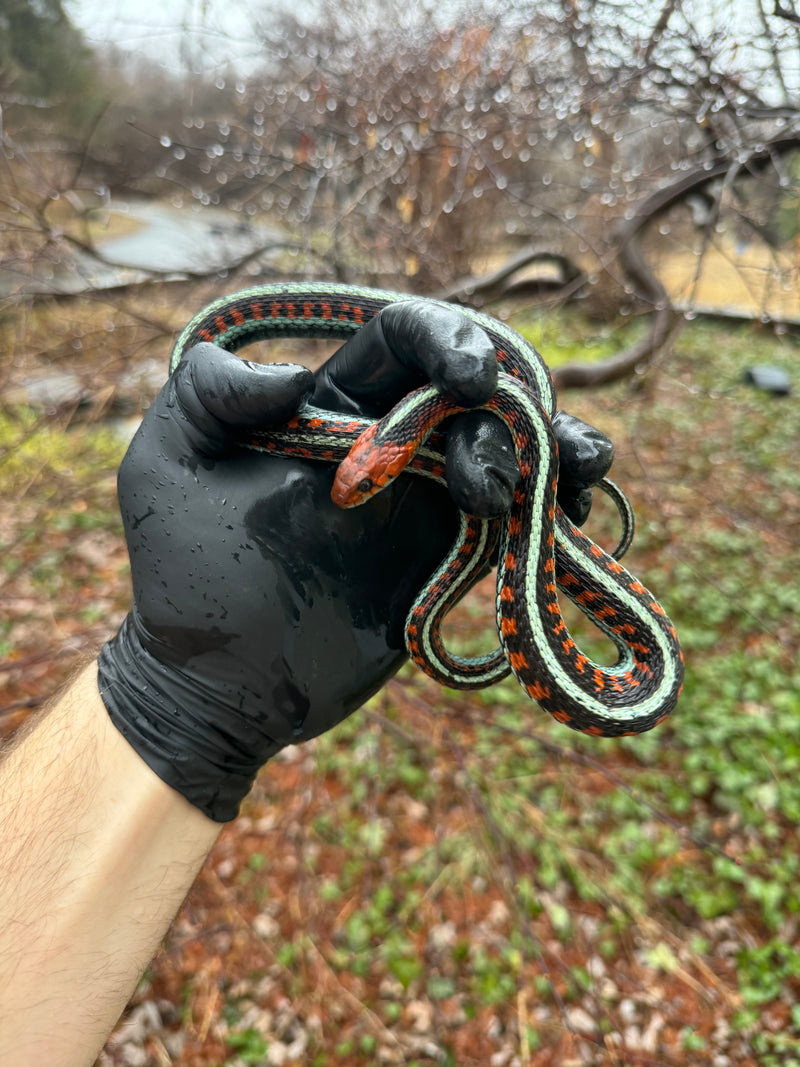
column 365, row 485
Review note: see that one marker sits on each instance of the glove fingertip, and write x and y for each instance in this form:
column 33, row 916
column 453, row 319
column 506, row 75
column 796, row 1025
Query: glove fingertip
column 454, row 352
column 238, row 392
column 576, row 505
column 481, row 465
column 283, row 386
column 585, row 453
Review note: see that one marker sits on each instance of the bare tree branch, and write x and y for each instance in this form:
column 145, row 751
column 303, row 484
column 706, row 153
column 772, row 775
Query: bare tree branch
column 500, row 282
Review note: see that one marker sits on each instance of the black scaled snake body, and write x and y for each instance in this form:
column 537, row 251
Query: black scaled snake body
column 540, row 551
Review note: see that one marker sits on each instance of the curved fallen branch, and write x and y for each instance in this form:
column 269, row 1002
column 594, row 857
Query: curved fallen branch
column 499, row 283
column 626, row 251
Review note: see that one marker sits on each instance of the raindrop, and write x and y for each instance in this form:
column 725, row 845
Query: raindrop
column 165, row 141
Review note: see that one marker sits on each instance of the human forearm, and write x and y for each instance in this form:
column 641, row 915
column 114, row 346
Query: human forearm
column 263, row 615
column 96, row 855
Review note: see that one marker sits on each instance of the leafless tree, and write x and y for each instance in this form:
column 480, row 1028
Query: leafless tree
column 455, row 151
column 416, row 149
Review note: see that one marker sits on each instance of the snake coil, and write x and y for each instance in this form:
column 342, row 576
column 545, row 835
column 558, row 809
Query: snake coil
column 541, row 551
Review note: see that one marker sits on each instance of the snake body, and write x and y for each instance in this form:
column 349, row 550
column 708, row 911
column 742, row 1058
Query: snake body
column 541, row 551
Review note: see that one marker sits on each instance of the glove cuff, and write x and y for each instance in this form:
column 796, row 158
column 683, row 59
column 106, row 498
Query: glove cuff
column 161, row 713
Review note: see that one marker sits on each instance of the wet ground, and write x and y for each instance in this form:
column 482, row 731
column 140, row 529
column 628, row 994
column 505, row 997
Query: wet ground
column 186, row 239
column 165, row 240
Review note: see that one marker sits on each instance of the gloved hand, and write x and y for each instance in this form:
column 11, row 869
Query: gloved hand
column 379, row 366
column 263, row 615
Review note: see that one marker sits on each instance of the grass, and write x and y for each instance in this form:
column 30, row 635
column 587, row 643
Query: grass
column 63, row 569
column 447, row 878
column 565, row 338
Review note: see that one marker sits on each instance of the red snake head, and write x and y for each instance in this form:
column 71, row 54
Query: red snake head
column 370, row 465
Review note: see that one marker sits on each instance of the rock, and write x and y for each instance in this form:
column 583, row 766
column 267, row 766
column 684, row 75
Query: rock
column 771, row 379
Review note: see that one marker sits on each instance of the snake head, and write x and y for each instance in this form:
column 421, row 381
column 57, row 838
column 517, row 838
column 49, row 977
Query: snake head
column 369, row 466
column 353, row 488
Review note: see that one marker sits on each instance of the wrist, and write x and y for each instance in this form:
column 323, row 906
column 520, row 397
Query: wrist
column 169, row 717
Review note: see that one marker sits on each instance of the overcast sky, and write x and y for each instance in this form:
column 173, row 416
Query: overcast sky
column 216, row 30
column 207, row 34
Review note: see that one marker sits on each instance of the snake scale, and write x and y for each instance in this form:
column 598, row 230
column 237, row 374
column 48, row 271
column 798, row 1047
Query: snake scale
column 540, row 550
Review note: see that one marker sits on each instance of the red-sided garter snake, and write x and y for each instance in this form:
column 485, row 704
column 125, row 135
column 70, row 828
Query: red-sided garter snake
column 540, row 548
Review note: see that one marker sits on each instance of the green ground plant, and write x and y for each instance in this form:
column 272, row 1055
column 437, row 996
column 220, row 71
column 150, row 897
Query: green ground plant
column 451, row 877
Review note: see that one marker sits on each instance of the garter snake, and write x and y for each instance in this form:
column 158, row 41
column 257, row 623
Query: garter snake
column 540, row 549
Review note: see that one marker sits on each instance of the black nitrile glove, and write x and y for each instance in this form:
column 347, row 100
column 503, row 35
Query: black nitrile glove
column 263, row 614
column 379, row 366
column 584, row 457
